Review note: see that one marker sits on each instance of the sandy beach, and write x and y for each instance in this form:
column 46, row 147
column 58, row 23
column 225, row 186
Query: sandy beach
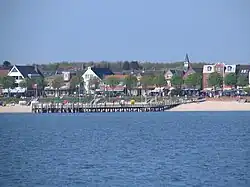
column 204, row 106
column 15, row 109
column 214, row 106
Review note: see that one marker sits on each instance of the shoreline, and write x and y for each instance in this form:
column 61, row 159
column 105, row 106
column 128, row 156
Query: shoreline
column 15, row 109
column 213, row 106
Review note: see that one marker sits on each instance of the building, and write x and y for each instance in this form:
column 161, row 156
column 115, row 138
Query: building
column 222, row 69
column 170, row 73
column 228, row 69
column 243, row 70
column 3, row 72
column 22, row 72
column 92, row 73
column 207, row 70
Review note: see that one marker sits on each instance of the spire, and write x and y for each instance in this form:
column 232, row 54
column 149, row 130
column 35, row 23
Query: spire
column 186, row 64
column 187, row 58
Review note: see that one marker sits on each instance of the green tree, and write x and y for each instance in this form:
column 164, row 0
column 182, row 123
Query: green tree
column 27, row 83
column 242, row 81
column 57, row 83
column 7, row 83
column 146, row 81
column 193, row 80
column 76, row 81
column 230, row 79
column 125, row 66
column 112, row 81
column 177, row 81
column 134, row 65
column 215, row 80
column 6, row 64
column 159, row 80
column 41, row 83
column 130, row 82
column 30, row 84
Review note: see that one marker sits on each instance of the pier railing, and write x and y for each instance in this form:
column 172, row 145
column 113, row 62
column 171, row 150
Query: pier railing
column 86, row 107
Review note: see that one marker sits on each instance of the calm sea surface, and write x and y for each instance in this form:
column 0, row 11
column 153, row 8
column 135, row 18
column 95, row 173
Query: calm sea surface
column 125, row 149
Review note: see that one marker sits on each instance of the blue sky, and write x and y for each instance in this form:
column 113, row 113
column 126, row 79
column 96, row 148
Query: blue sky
column 43, row 31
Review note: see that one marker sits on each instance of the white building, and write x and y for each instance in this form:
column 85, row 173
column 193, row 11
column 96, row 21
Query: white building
column 93, row 72
column 20, row 73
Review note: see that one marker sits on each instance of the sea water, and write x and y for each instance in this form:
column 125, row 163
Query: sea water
column 125, row 149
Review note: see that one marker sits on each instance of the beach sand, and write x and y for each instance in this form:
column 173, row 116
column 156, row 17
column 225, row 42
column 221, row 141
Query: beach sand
column 15, row 109
column 213, row 106
column 204, row 106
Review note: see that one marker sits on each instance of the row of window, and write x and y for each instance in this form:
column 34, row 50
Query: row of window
column 229, row 68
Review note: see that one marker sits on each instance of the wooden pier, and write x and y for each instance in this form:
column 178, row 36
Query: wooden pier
column 86, row 108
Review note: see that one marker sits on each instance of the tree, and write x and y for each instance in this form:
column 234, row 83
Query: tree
column 112, row 81
column 215, row 79
column 230, row 79
column 57, row 83
column 193, row 80
column 75, row 81
column 134, row 65
column 8, row 82
column 130, row 81
column 177, row 81
column 146, row 81
column 126, row 66
column 6, row 64
column 159, row 80
column 27, row 83
column 40, row 81
column 242, row 81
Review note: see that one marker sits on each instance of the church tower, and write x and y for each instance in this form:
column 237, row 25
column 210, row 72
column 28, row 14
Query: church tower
column 186, row 63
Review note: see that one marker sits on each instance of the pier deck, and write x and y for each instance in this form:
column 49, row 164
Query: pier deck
column 83, row 108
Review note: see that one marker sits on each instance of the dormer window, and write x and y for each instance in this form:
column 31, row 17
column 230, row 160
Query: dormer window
column 209, row 68
column 229, row 68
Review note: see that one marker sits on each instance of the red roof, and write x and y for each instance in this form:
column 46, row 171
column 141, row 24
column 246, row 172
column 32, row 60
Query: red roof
column 3, row 72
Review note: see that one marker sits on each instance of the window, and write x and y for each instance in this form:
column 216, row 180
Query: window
column 229, row 68
column 209, row 68
column 14, row 70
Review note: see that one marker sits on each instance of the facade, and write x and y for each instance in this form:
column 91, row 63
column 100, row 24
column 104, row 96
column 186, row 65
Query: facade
column 229, row 69
column 223, row 70
column 207, row 70
column 170, row 73
column 64, row 90
column 93, row 72
column 243, row 70
column 20, row 73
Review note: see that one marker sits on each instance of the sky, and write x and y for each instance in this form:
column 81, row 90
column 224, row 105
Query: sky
column 44, row 31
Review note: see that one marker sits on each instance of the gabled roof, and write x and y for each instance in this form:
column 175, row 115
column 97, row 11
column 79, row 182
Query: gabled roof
column 198, row 70
column 176, row 72
column 4, row 71
column 26, row 70
column 102, row 72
